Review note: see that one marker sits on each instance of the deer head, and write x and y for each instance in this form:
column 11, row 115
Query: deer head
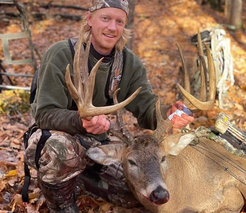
column 144, row 158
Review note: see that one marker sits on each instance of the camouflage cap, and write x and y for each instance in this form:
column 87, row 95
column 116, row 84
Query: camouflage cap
column 99, row 4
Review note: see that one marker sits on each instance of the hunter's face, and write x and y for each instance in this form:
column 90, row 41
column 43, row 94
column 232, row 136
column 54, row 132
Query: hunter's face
column 107, row 26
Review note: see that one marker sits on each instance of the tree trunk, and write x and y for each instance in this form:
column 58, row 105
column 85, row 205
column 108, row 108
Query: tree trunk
column 216, row 4
column 130, row 23
column 233, row 12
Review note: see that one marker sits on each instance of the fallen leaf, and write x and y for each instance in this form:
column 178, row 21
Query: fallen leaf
column 11, row 173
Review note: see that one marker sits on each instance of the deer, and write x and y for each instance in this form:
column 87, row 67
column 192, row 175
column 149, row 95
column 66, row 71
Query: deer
column 167, row 172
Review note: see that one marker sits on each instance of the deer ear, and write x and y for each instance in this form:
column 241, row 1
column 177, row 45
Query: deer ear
column 106, row 154
column 174, row 144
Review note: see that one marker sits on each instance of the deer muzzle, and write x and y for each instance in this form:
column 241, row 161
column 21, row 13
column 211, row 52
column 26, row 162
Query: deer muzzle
column 159, row 196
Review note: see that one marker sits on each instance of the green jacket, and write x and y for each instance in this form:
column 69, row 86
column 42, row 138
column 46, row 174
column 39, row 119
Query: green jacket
column 52, row 107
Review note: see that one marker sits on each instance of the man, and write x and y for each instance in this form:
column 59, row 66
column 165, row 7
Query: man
column 63, row 157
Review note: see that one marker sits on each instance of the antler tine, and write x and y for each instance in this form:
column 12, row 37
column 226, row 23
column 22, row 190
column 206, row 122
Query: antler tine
column 118, row 129
column 76, row 89
column 90, row 85
column 184, row 67
column 186, row 77
column 80, row 65
column 164, row 127
column 82, row 90
column 212, row 76
column 203, row 92
column 194, row 103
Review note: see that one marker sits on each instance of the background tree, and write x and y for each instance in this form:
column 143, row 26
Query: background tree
column 233, row 12
column 130, row 23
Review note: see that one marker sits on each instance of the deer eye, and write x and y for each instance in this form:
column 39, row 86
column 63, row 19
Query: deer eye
column 163, row 159
column 132, row 162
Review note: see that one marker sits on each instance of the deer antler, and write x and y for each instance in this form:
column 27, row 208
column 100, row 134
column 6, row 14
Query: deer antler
column 117, row 129
column 164, row 126
column 191, row 102
column 82, row 89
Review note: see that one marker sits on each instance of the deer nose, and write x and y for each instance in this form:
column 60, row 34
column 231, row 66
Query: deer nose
column 159, row 195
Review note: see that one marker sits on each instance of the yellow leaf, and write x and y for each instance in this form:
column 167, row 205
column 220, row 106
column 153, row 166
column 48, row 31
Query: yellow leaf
column 11, row 173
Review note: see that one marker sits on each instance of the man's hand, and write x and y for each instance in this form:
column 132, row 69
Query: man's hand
column 97, row 125
column 179, row 115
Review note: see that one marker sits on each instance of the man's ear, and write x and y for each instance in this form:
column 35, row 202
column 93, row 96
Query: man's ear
column 174, row 144
column 88, row 18
column 107, row 154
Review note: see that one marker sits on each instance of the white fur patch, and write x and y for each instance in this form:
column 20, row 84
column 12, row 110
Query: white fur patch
column 183, row 142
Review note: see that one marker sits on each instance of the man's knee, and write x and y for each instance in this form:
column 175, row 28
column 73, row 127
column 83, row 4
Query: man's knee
column 61, row 159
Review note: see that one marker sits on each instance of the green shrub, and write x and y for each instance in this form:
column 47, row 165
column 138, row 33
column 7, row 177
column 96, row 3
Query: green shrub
column 14, row 102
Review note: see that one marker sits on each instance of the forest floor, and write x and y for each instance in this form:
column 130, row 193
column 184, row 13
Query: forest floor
column 158, row 26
